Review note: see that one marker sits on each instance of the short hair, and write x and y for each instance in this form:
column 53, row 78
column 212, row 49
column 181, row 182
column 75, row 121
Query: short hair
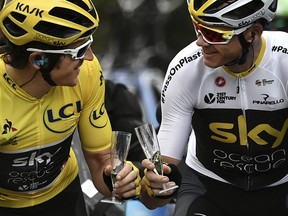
column 18, row 56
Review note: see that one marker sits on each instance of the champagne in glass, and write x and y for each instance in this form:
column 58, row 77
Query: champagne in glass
column 118, row 153
column 148, row 140
column 156, row 159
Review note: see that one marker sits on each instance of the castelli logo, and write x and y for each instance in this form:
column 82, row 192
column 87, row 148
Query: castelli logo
column 220, row 81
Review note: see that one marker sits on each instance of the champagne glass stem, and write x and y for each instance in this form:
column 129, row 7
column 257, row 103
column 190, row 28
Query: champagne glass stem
column 113, row 195
column 165, row 189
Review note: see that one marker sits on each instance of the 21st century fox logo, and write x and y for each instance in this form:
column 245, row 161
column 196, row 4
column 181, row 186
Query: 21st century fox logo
column 220, row 98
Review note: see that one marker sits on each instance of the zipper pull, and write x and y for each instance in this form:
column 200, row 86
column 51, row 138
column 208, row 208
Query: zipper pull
column 238, row 85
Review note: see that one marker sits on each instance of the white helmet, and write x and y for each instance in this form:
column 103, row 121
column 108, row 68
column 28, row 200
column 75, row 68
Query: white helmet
column 231, row 13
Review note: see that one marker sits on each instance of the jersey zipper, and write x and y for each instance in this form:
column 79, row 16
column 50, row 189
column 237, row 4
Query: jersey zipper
column 238, row 85
column 243, row 105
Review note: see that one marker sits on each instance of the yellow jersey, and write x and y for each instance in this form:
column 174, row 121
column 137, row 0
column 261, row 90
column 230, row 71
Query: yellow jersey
column 36, row 158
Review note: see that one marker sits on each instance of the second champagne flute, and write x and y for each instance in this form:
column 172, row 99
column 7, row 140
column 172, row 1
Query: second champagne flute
column 147, row 137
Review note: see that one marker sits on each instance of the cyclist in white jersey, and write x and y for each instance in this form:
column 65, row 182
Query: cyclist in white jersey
column 230, row 88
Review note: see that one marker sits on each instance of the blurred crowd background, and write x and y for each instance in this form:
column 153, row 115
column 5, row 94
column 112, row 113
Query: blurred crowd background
column 148, row 33
column 141, row 33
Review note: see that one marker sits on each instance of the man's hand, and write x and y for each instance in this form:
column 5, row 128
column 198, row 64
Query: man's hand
column 128, row 181
column 154, row 183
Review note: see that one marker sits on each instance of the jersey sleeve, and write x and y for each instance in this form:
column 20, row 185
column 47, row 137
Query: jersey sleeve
column 94, row 125
column 177, row 104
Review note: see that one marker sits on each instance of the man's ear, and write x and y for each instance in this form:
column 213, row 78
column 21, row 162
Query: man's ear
column 254, row 32
column 38, row 59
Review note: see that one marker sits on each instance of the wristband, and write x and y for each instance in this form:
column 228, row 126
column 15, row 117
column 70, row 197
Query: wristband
column 174, row 176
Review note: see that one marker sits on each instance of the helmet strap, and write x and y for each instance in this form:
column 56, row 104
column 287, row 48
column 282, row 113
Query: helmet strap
column 245, row 49
column 46, row 76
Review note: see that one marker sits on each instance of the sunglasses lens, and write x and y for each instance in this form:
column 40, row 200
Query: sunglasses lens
column 209, row 35
column 83, row 49
column 81, row 52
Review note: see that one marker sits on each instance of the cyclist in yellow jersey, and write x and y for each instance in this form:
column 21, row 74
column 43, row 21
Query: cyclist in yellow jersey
column 51, row 84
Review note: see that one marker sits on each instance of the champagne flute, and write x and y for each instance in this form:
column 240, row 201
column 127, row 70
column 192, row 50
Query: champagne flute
column 118, row 153
column 147, row 137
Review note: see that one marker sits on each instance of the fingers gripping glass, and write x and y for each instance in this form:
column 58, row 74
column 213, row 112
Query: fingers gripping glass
column 216, row 36
column 76, row 53
column 120, row 143
column 147, row 137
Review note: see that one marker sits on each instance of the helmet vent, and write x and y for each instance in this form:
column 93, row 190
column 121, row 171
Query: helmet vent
column 19, row 17
column 198, row 4
column 245, row 10
column 85, row 7
column 88, row 33
column 80, row 3
column 210, row 19
column 12, row 28
column 218, row 5
column 273, row 6
column 71, row 15
column 55, row 30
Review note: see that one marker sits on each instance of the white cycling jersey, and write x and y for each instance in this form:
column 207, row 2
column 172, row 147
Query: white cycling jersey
column 240, row 120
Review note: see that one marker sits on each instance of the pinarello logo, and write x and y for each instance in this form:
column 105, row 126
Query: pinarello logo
column 220, row 81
